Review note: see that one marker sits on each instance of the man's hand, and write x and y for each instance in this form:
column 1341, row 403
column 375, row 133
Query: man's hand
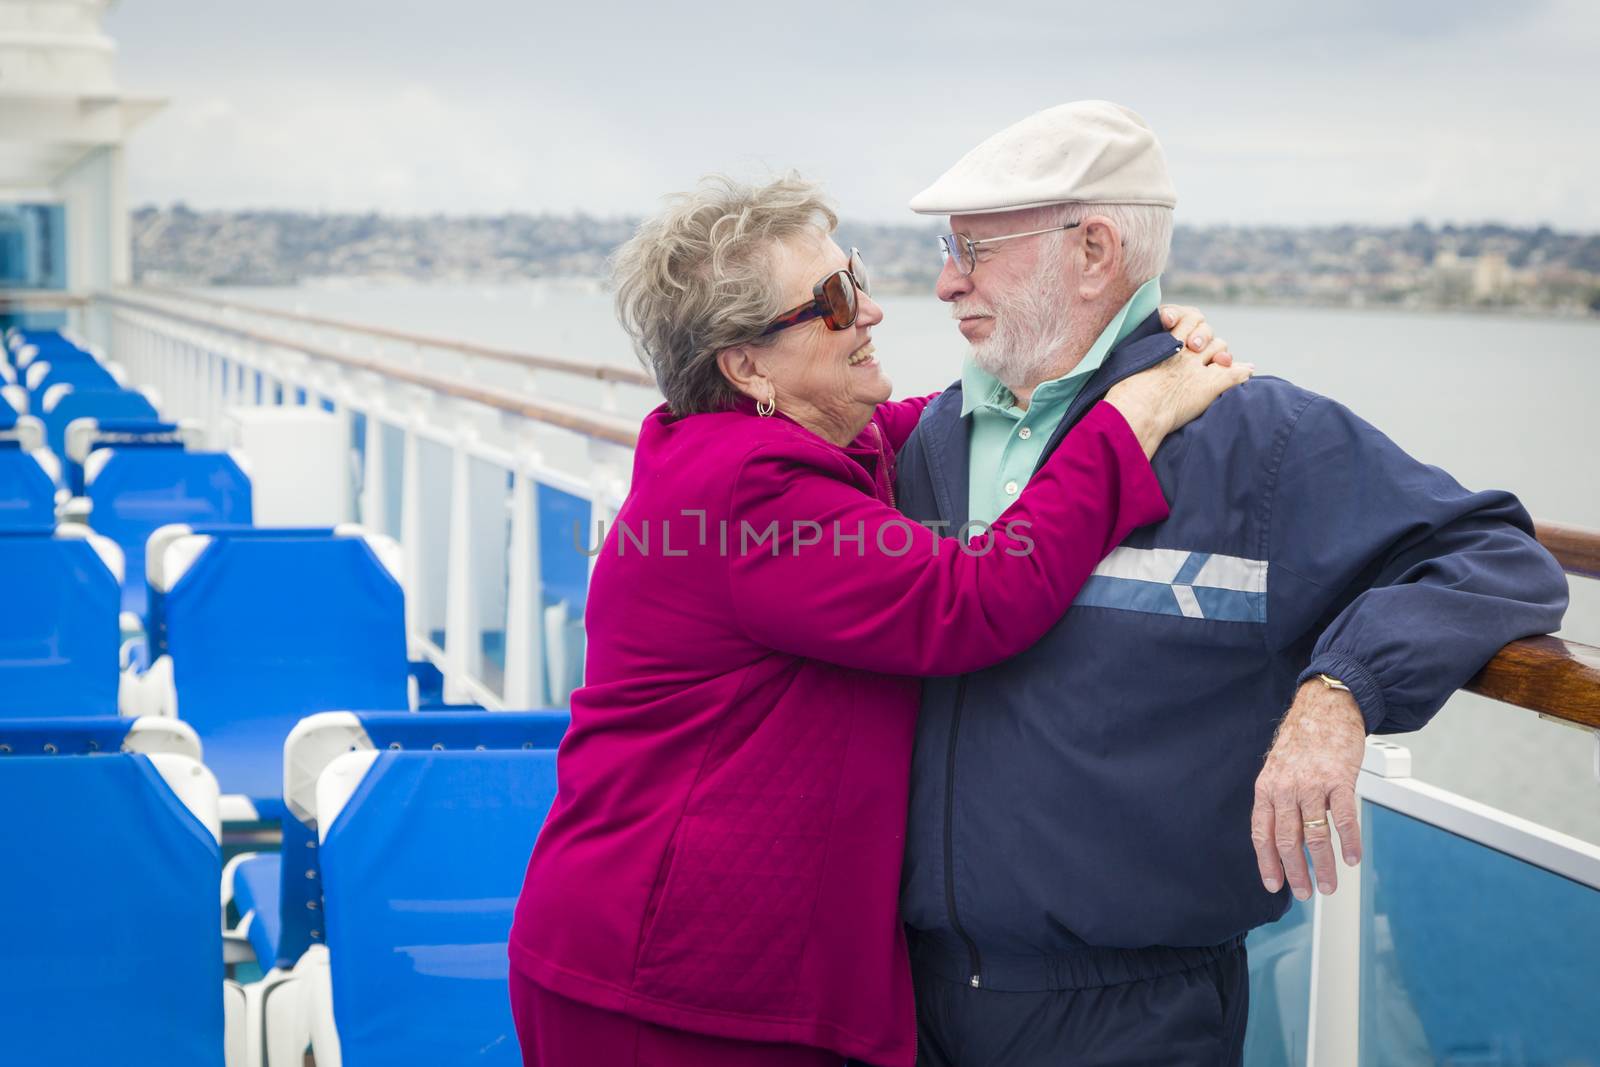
column 1310, row 777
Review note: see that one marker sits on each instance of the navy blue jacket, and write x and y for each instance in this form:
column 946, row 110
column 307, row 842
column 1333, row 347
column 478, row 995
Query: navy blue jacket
column 1096, row 790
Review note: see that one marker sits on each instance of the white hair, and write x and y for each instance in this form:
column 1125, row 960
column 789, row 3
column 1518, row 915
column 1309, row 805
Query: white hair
column 1146, row 231
column 1032, row 323
column 698, row 278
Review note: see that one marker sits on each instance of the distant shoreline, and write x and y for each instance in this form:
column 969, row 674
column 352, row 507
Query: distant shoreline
column 1171, row 292
column 1482, row 267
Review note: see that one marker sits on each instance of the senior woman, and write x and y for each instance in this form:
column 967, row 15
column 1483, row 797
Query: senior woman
column 717, row 880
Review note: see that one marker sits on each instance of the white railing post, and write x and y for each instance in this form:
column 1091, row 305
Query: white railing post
column 411, row 539
column 185, row 378
column 525, row 678
column 210, row 409
column 462, row 643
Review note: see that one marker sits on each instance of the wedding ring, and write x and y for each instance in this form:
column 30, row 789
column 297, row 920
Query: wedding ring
column 1315, row 824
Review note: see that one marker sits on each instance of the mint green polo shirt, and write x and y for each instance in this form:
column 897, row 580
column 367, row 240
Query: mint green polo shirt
column 1007, row 440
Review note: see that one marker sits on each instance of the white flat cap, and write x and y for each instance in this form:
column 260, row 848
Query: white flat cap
column 1090, row 151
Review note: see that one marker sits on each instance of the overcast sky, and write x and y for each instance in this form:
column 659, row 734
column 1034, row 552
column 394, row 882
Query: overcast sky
column 1270, row 111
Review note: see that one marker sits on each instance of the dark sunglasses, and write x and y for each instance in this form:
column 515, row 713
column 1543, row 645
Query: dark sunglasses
column 833, row 299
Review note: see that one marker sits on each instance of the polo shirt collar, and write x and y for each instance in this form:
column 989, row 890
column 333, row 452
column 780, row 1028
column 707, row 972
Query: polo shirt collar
column 979, row 388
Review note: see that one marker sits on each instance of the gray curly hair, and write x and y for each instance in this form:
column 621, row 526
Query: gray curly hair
column 698, row 278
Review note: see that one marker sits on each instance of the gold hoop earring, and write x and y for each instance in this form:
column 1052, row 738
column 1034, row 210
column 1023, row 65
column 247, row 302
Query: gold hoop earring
column 766, row 407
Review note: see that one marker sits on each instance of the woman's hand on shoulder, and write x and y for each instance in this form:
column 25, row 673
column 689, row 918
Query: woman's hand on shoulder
column 1189, row 325
column 1163, row 398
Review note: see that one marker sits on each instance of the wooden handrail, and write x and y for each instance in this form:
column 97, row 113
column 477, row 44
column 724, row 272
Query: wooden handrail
column 39, row 300
column 1557, row 678
column 567, row 418
column 1577, row 549
column 577, row 368
column 1554, row 677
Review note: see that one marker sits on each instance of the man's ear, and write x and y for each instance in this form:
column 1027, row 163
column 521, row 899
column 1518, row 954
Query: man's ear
column 739, row 365
column 1101, row 252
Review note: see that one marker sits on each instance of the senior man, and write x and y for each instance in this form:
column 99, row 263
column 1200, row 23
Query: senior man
column 1092, row 830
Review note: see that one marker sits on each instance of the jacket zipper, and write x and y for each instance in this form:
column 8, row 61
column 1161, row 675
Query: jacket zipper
column 974, row 961
column 975, row 964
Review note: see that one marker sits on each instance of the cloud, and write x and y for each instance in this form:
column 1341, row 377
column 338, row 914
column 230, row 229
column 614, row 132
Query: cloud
column 1270, row 112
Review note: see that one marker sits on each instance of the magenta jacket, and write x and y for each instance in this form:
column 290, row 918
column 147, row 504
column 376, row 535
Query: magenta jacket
column 723, row 855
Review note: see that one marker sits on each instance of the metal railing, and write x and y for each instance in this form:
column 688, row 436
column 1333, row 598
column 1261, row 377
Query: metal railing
column 1558, row 679
column 179, row 341
column 420, row 340
column 206, row 355
column 20, row 300
column 201, row 367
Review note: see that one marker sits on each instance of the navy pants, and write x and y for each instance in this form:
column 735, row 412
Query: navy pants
column 1190, row 1018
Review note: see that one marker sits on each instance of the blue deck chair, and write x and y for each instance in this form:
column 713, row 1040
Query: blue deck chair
column 290, row 880
column 67, row 367
column 314, row 743
column 110, row 839
column 13, row 397
column 18, row 336
column 27, row 486
column 47, row 349
column 58, row 630
column 413, row 976
column 261, row 631
column 88, row 435
column 78, row 403
column 193, row 539
column 134, row 491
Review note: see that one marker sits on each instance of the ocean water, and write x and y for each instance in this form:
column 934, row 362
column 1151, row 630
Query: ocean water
column 1499, row 401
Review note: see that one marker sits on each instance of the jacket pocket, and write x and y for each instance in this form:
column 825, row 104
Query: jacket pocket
column 733, row 916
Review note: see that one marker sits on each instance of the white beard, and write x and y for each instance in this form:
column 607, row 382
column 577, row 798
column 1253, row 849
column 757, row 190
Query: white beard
column 1031, row 327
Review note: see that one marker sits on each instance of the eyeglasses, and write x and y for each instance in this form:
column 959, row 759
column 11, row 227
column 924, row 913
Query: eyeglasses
column 833, row 300
column 964, row 250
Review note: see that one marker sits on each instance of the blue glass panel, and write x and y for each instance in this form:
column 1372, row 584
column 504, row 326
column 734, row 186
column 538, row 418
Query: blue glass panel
column 1469, row 956
column 1280, row 990
column 564, row 534
column 33, row 246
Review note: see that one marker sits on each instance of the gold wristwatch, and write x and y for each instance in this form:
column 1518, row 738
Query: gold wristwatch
column 1332, row 682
